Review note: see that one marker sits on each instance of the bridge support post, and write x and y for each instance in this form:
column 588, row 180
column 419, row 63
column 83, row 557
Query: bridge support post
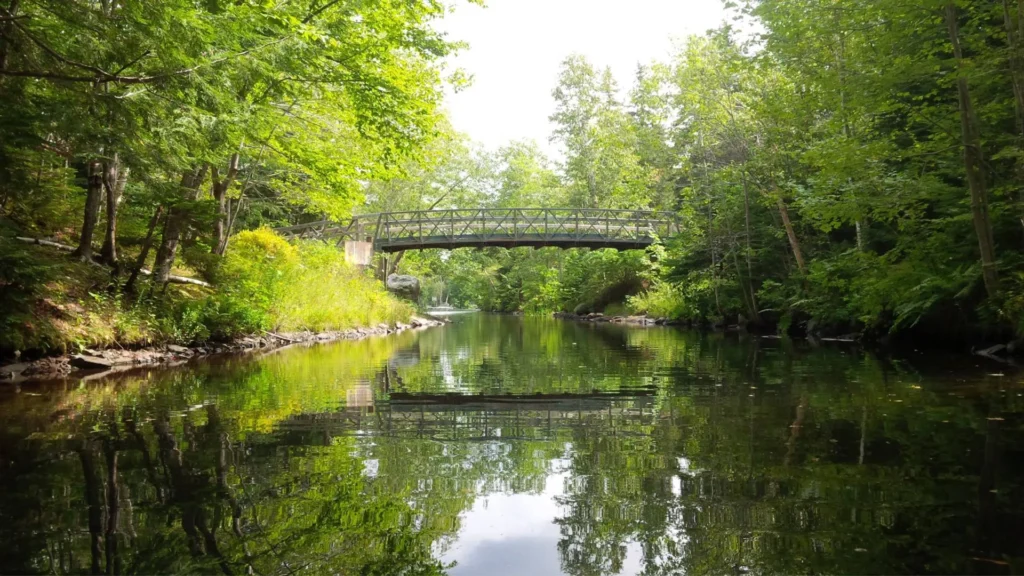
column 358, row 253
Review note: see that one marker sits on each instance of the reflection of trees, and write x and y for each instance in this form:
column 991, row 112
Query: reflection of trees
column 700, row 454
column 524, row 356
column 823, row 466
column 191, row 492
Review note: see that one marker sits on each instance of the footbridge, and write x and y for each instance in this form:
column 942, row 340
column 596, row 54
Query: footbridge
column 504, row 227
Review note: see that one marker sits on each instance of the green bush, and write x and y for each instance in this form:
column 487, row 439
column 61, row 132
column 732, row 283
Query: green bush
column 265, row 283
column 663, row 300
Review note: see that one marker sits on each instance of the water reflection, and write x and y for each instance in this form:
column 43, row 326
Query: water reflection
column 507, row 446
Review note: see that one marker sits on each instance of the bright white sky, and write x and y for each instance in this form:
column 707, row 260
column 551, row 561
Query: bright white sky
column 516, row 47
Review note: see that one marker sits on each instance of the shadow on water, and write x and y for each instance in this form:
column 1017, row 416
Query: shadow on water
column 502, row 445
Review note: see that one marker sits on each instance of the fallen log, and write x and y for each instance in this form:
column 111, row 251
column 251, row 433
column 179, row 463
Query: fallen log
column 49, row 243
column 179, row 279
column 280, row 337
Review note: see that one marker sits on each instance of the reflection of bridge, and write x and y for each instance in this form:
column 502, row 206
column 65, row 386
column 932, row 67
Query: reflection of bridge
column 506, row 227
column 481, row 417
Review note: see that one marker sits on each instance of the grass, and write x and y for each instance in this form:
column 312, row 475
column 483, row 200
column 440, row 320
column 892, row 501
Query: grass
column 662, row 300
column 307, row 286
column 51, row 303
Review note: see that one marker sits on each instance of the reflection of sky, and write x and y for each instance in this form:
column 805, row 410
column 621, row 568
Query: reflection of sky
column 446, row 362
column 513, row 534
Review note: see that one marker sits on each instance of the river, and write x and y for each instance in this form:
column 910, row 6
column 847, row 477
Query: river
column 505, row 445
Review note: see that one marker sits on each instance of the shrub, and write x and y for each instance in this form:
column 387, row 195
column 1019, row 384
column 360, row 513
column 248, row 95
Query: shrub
column 256, row 273
column 663, row 300
column 268, row 284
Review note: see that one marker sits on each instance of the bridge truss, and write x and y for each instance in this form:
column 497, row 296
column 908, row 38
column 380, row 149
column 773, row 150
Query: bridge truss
column 505, row 227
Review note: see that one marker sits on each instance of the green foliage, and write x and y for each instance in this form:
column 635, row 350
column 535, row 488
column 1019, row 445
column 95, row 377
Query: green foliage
column 663, row 300
column 594, row 279
column 268, row 284
column 815, row 162
column 54, row 304
column 37, row 190
column 602, row 164
column 23, row 276
column 221, row 116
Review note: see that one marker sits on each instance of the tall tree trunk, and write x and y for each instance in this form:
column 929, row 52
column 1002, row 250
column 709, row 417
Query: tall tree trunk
column 168, row 248
column 749, row 303
column 177, row 217
column 714, row 261
column 1016, row 62
column 188, row 234
column 220, row 195
column 94, row 194
column 1014, row 37
column 749, row 252
column 592, row 188
column 973, row 162
column 394, row 264
column 140, row 262
column 794, row 243
column 116, row 176
column 5, row 34
column 744, row 287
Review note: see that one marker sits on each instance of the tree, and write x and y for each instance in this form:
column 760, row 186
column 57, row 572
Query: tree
column 590, row 122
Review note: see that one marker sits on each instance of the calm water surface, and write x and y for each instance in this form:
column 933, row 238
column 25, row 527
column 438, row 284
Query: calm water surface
column 502, row 445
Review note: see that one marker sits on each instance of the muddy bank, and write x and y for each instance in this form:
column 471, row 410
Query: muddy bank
column 91, row 362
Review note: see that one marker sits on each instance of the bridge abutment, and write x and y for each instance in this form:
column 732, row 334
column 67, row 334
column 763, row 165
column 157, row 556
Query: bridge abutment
column 358, row 253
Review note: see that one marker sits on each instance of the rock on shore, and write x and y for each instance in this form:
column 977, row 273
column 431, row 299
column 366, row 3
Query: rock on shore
column 598, row 317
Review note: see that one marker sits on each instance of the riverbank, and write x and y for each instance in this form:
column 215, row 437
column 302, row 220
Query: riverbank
column 1007, row 353
column 356, row 425
column 60, row 314
column 92, row 362
column 598, row 317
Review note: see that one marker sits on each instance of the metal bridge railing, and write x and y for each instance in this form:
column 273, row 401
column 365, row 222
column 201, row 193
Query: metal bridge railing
column 494, row 225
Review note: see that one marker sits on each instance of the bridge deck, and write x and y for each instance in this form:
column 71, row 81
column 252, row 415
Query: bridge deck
column 505, row 227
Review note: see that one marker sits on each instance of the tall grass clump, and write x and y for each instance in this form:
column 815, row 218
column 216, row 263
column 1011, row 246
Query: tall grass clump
column 266, row 283
column 662, row 300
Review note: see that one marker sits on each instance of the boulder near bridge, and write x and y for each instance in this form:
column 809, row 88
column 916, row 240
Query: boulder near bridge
column 504, row 227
